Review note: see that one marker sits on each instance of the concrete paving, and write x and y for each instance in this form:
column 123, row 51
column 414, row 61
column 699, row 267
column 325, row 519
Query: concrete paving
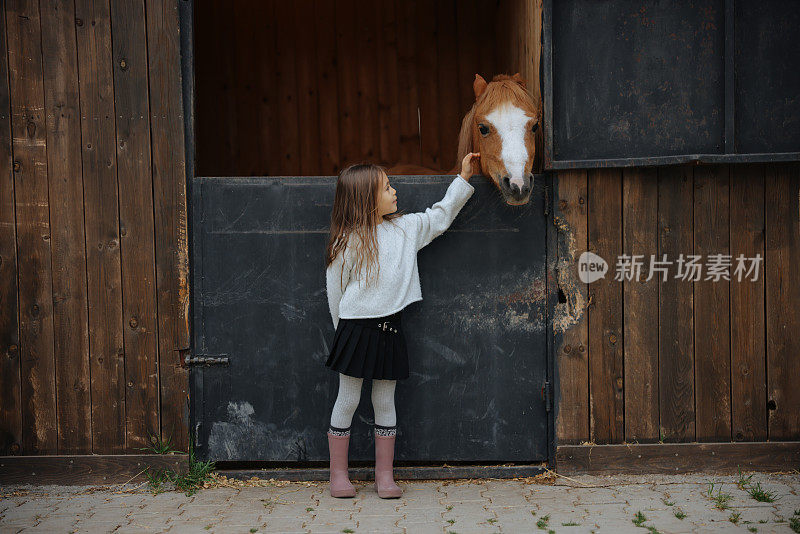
column 678, row 503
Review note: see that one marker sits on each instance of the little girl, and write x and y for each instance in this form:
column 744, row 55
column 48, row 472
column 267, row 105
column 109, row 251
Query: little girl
column 372, row 275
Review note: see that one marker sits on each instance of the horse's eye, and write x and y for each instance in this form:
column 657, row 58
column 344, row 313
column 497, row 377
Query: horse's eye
column 483, row 129
column 535, row 127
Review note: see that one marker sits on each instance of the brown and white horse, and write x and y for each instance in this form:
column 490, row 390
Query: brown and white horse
column 501, row 125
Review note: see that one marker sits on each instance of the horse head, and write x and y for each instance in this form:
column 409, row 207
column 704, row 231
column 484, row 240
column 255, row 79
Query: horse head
column 501, row 126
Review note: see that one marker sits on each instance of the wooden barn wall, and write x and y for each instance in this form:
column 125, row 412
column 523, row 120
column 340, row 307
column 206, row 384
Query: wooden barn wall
column 307, row 87
column 93, row 267
column 678, row 360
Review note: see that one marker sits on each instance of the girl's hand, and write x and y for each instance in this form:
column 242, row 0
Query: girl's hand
column 470, row 165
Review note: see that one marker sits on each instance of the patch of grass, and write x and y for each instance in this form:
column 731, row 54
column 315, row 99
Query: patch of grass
column 491, row 520
column 743, row 481
column 794, row 524
column 668, row 502
column 638, row 519
column 533, row 512
column 309, row 509
column 679, row 514
column 348, row 530
column 156, row 479
column 254, row 529
column 753, row 529
column 734, row 517
column 188, row 482
column 762, row 520
column 208, row 527
column 652, row 530
column 159, row 446
column 451, row 521
column 760, row 494
column 449, row 507
column 542, row 522
column 720, row 499
column 570, row 524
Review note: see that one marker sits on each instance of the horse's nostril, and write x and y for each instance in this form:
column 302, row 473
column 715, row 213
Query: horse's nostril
column 506, row 181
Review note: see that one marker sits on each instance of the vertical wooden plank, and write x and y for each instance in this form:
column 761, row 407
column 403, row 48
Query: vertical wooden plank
column 449, row 84
column 487, row 63
column 216, row 140
column 307, row 91
column 270, row 136
column 407, row 78
column 102, row 226
column 468, row 27
column 534, row 86
column 366, row 58
column 10, row 401
column 388, row 104
column 208, row 137
column 28, row 126
column 748, row 346
column 70, row 306
column 347, row 80
column 572, row 424
column 225, row 106
column 712, row 305
column 286, row 80
column 605, row 309
column 248, row 37
column 169, row 195
column 140, row 334
column 503, row 35
column 327, row 83
column 782, row 209
column 640, row 242
column 428, row 68
column 675, row 306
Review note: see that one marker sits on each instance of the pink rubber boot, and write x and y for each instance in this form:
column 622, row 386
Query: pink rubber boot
column 384, row 478
column 339, row 478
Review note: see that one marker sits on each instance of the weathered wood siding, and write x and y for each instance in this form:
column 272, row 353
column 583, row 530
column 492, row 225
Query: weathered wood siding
column 93, row 271
column 681, row 360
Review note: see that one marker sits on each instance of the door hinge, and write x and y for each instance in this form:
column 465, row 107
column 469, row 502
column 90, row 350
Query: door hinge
column 205, row 359
column 547, row 397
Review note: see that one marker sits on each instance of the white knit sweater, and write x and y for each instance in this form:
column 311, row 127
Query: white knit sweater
column 399, row 240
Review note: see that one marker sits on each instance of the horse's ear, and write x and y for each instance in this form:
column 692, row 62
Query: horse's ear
column 478, row 86
column 517, row 78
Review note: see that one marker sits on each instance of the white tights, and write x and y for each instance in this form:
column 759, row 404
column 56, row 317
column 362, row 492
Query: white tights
column 349, row 395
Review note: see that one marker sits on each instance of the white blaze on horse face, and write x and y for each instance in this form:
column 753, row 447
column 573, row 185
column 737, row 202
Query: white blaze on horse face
column 511, row 123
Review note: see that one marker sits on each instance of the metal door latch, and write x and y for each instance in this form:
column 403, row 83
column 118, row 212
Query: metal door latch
column 546, row 397
column 205, row 359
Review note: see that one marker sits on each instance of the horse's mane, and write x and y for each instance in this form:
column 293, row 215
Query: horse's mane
column 508, row 89
column 465, row 137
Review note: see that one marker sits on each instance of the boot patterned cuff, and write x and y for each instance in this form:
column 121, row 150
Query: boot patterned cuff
column 343, row 432
column 385, row 431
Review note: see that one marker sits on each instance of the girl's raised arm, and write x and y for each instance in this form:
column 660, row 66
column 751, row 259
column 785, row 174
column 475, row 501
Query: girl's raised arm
column 435, row 220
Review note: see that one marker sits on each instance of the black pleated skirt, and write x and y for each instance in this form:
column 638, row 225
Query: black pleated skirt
column 360, row 349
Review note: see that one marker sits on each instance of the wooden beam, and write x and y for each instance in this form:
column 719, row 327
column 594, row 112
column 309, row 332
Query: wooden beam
column 675, row 458
column 85, row 469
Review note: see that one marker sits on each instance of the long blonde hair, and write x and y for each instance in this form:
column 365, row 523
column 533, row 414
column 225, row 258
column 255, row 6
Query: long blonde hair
column 355, row 208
